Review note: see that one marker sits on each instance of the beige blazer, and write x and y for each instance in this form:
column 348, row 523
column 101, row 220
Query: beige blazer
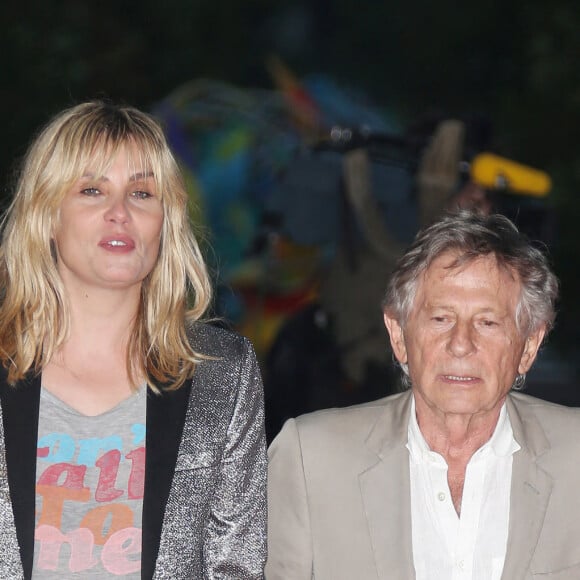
column 339, row 494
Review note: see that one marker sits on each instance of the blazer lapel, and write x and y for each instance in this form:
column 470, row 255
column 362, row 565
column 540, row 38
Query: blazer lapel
column 20, row 405
column 20, row 409
column 530, row 493
column 385, row 489
column 165, row 419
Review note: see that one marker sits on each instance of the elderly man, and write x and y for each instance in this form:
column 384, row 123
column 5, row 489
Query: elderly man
column 456, row 478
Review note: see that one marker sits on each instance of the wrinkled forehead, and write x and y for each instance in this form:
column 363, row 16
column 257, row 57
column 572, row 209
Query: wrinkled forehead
column 454, row 261
column 482, row 271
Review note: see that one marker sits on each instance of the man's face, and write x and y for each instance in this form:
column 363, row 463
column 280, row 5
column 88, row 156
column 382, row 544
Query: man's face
column 461, row 341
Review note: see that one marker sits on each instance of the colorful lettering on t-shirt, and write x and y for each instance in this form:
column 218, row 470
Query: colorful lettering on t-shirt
column 89, row 502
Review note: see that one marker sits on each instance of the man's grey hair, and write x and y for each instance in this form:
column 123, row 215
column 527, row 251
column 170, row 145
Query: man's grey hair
column 474, row 235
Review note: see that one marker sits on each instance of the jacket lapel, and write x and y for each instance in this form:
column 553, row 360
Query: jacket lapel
column 385, row 489
column 20, row 410
column 165, row 419
column 530, row 492
column 20, row 405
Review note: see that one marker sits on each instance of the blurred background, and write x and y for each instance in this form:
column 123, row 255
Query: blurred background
column 316, row 137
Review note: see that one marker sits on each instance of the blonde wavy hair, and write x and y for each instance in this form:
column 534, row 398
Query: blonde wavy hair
column 34, row 316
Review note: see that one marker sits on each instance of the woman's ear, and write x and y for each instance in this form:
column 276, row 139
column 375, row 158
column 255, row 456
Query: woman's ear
column 53, row 251
column 397, row 337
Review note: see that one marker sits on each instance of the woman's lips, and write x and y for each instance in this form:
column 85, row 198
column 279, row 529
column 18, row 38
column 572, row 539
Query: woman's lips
column 117, row 243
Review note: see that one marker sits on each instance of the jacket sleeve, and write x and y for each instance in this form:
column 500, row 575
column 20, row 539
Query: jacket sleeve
column 290, row 555
column 235, row 541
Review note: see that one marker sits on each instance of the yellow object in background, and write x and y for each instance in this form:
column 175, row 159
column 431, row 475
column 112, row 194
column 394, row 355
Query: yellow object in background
column 494, row 172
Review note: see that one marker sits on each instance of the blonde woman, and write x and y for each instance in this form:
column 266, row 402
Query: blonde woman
column 131, row 436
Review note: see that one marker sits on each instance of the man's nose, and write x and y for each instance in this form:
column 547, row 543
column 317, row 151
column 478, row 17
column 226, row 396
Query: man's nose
column 461, row 339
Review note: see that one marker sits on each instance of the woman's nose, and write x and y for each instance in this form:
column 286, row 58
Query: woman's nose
column 118, row 210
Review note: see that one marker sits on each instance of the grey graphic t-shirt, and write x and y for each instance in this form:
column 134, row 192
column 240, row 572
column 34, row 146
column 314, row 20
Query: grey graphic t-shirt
column 89, row 490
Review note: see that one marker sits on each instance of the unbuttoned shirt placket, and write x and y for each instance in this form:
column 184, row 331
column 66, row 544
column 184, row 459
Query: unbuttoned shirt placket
column 473, row 546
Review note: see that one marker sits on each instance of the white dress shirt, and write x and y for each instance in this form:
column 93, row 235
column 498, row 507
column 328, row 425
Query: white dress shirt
column 473, row 546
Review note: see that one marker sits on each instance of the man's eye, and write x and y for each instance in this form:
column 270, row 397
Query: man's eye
column 90, row 191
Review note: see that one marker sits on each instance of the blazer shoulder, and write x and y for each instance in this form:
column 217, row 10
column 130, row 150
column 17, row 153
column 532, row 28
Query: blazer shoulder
column 349, row 421
column 344, row 440
column 544, row 408
column 214, row 341
column 559, row 422
column 367, row 409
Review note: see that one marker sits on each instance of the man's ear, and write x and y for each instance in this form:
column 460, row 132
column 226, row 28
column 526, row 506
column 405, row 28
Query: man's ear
column 397, row 338
column 531, row 347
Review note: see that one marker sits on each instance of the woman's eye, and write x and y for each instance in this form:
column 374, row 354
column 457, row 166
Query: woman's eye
column 141, row 194
column 90, row 191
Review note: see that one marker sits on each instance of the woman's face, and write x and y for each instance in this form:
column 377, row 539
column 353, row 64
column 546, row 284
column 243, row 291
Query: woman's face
column 109, row 229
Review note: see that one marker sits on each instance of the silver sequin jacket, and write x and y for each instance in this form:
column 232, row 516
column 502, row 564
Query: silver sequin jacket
column 204, row 507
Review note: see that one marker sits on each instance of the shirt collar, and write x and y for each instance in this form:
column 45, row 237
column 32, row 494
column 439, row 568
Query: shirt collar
column 502, row 442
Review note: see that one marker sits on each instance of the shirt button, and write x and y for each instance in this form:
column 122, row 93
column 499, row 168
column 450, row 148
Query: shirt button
column 460, row 564
column 441, row 496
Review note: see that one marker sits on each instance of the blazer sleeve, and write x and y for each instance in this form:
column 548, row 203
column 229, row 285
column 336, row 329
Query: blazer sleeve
column 290, row 555
column 235, row 541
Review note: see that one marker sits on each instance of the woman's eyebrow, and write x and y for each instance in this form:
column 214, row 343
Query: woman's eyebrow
column 141, row 175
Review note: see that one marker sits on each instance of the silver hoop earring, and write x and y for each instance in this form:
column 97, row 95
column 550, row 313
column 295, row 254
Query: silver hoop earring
column 405, row 378
column 519, row 382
